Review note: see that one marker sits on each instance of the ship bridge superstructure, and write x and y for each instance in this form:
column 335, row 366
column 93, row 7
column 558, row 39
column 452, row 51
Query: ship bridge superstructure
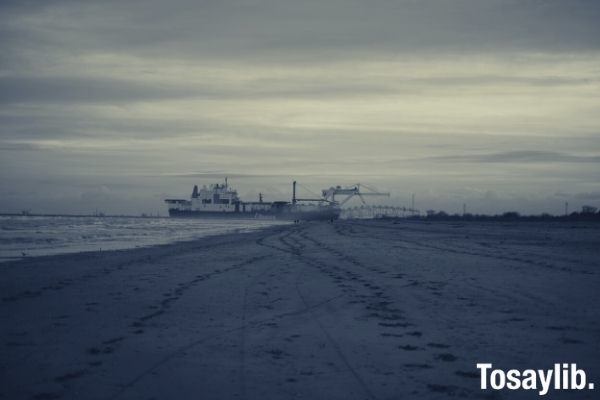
column 216, row 197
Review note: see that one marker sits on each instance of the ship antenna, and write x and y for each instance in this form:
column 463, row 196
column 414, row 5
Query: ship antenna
column 225, row 182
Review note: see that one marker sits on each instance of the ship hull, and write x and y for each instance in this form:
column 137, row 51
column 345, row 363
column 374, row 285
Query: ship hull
column 321, row 215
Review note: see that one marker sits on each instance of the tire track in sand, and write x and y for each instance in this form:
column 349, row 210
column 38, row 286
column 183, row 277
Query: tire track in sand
column 292, row 245
column 180, row 351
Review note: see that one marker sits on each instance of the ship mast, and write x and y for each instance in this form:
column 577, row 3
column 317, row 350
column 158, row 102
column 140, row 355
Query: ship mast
column 294, row 192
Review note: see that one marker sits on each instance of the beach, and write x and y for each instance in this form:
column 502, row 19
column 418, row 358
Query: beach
column 382, row 309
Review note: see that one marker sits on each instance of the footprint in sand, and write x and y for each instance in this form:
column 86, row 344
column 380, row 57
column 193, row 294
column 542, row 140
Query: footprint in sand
column 447, row 357
column 291, row 338
column 96, row 351
column 385, row 334
column 46, row 396
column 113, row 340
column 418, row 366
column 395, row 324
column 438, row 345
column 446, row 389
column 277, row 354
column 70, row 376
column 409, row 347
column 567, row 340
column 560, row 328
column 468, row 374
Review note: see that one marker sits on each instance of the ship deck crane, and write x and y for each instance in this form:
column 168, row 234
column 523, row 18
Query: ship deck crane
column 350, row 192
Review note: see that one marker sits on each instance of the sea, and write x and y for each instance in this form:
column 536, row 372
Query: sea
column 31, row 236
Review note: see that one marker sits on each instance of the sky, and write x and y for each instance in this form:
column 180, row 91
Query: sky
column 115, row 105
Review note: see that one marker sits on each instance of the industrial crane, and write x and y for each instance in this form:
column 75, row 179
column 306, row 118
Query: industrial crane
column 349, row 192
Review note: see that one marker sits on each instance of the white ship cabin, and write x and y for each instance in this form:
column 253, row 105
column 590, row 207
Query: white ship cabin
column 217, row 197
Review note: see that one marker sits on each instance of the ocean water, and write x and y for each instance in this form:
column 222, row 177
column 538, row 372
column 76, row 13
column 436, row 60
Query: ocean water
column 30, row 236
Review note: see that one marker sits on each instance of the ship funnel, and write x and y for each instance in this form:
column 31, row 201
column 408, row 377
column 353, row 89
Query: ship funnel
column 195, row 192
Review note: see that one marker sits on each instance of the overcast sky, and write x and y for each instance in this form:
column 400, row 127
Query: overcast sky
column 116, row 105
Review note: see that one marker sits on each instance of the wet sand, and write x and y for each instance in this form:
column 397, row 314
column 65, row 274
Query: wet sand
column 350, row 310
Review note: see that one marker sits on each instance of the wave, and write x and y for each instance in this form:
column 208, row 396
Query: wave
column 35, row 236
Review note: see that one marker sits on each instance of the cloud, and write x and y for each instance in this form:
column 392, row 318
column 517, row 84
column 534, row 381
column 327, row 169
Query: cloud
column 289, row 84
column 306, row 29
column 18, row 146
column 16, row 90
column 520, row 156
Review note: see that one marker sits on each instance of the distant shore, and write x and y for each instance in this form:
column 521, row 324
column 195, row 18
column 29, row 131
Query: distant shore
column 434, row 216
column 82, row 215
column 345, row 310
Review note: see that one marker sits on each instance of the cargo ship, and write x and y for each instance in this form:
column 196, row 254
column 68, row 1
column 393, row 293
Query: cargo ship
column 221, row 201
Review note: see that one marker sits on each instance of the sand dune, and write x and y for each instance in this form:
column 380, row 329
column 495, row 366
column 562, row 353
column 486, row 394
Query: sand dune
column 350, row 310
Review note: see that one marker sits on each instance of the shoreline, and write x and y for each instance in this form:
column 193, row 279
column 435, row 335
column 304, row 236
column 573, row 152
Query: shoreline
column 373, row 309
column 54, row 238
column 555, row 223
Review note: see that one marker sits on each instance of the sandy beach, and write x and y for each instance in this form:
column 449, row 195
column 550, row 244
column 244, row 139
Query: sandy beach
column 350, row 310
